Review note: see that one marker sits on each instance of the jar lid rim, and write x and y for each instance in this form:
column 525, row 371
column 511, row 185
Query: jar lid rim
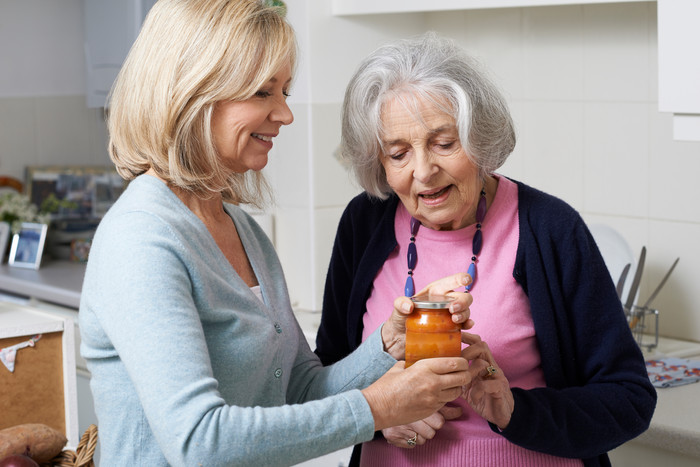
column 432, row 301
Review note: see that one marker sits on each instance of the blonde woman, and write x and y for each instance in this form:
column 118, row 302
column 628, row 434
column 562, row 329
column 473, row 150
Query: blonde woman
column 195, row 355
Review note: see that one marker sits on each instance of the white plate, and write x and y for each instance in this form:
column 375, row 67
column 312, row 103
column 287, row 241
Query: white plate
column 616, row 253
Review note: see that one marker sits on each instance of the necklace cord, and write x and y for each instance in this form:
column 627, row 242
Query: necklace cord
column 477, row 243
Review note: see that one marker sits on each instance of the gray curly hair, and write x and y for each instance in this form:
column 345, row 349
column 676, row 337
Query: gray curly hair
column 439, row 70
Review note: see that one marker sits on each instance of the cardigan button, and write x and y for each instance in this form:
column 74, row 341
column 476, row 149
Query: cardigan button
column 278, row 328
column 278, row 372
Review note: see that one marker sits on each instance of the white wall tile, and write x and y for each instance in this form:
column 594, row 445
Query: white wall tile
column 674, row 166
column 333, row 183
column 551, row 139
column 293, row 242
column 326, row 225
column 515, row 165
column 653, row 49
column 41, row 48
column 616, row 52
column 338, row 44
column 678, row 301
column 553, row 53
column 494, row 36
column 288, row 168
column 17, row 136
column 616, row 158
column 98, row 135
column 62, row 135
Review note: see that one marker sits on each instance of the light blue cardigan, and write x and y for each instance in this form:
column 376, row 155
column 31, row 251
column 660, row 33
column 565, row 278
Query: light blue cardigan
column 188, row 366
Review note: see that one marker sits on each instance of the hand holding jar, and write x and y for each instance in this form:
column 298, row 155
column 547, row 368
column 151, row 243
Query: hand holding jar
column 394, row 330
column 489, row 392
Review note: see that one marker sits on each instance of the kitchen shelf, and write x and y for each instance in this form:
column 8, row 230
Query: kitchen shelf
column 367, row 7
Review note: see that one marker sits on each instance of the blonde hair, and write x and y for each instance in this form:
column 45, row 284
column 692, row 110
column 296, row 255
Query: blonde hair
column 189, row 55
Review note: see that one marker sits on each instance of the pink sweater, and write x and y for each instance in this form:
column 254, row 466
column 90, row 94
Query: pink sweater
column 501, row 313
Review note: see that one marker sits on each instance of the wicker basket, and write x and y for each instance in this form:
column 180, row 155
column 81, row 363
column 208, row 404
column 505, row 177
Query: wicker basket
column 82, row 456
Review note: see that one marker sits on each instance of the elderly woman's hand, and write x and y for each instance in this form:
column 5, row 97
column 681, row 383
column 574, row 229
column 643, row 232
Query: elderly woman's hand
column 394, row 330
column 421, row 430
column 489, row 392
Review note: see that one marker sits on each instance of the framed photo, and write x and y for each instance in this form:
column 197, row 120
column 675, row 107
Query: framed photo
column 74, row 192
column 4, row 239
column 28, row 245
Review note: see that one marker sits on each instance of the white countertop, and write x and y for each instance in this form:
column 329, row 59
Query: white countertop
column 58, row 282
column 675, row 426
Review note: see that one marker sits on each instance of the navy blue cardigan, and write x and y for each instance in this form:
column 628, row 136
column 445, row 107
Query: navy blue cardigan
column 598, row 394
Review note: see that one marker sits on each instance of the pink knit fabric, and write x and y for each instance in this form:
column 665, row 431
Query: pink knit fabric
column 502, row 317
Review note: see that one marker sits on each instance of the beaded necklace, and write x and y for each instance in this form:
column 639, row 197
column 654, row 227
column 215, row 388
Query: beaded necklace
column 477, row 241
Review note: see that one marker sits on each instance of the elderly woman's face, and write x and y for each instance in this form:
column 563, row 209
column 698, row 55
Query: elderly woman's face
column 243, row 130
column 427, row 166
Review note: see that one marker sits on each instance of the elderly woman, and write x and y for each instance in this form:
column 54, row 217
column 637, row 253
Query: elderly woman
column 187, row 328
column 424, row 132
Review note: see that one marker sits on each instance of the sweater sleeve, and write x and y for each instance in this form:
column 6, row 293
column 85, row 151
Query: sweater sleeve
column 598, row 394
column 146, row 345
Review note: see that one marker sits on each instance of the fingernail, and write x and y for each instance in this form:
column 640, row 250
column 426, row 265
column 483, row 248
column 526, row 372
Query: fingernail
column 406, row 307
column 456, row 307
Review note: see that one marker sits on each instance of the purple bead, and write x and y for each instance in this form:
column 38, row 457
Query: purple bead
column 472, row 272
column 476, row 242
column 415, row 224
column 481, row 209
column 412, row 256
column 409, row 289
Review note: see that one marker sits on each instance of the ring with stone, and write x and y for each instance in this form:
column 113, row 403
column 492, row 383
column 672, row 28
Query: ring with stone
column 412, row 441
column 490, row 371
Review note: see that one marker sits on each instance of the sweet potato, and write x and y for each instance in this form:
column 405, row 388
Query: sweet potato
column 40, row 442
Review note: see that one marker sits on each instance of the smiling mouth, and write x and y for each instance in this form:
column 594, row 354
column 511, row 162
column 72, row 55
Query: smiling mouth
column 262, row 137
column 435, row 194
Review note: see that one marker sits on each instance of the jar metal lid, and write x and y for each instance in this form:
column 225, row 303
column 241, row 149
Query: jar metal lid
column 432, row 301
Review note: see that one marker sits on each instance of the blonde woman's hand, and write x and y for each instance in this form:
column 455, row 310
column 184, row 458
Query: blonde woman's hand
column 394, row 329
column 423, row 430
column 405, row 395
column 489, row 391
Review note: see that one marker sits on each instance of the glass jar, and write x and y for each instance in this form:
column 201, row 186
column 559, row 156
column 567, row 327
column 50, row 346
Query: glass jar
column 430, row 331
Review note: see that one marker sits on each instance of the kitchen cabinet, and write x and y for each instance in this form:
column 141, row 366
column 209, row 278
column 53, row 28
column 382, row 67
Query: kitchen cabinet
column 678, row 36
column 364, row 7
column 679, row 69
column 110, row 30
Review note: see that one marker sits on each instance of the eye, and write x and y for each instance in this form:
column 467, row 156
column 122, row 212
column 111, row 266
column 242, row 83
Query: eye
column 445, row 147
column 397, row 156
column 286, row 94
column 263, row 94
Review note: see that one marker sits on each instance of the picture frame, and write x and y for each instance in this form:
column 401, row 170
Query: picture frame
column 28, row 245
column 74, row 192
column 5, row 229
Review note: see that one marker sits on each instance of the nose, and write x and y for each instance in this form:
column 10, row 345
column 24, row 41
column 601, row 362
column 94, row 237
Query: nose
column 423, row 168
column 282, row 113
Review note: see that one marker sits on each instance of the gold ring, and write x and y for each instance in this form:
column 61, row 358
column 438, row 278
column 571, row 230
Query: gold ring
column 412, row 441
column 490, row 370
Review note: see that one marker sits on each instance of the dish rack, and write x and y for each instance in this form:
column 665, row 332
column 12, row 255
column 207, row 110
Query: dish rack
column 644, row 323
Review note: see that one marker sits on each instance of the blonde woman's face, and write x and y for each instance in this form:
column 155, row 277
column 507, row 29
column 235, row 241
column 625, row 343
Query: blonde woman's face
column 427, row 166
column 243, row 130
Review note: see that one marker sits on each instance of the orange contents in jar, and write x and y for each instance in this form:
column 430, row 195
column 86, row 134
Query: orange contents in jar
column 430, row 331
